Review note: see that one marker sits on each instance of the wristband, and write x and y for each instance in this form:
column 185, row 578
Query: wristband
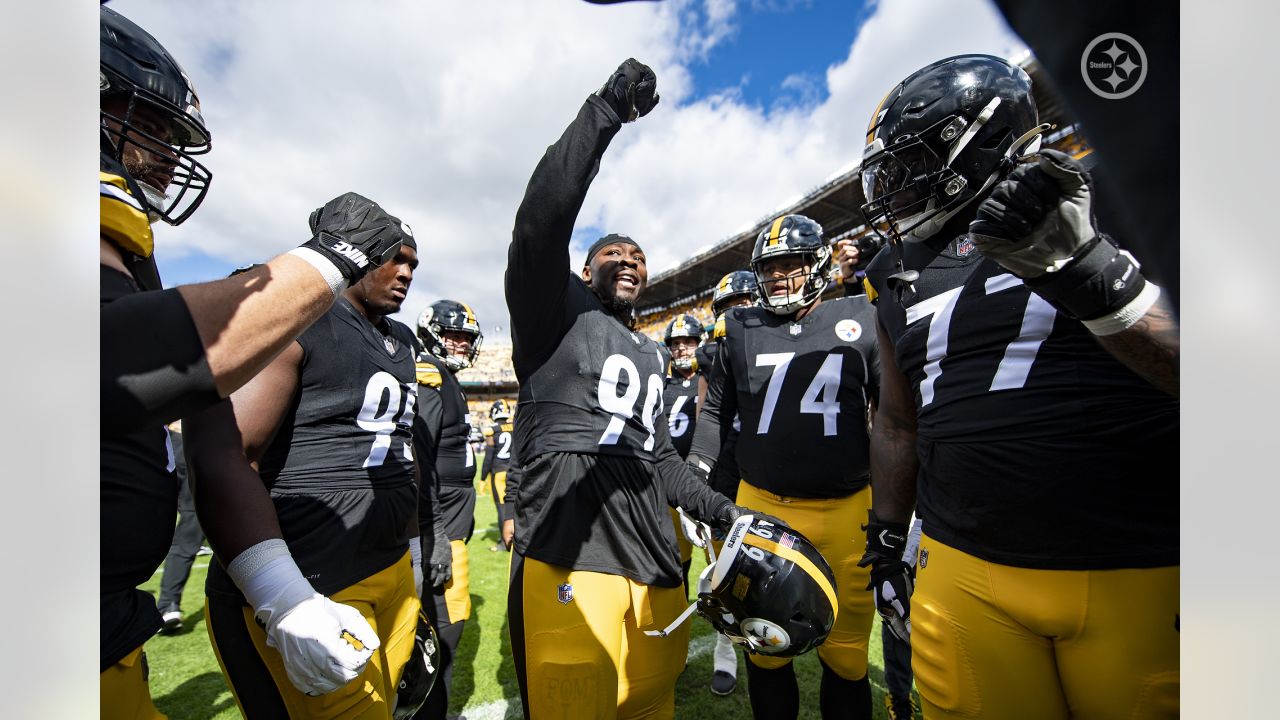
column 332, row 275
column 1099, row 281
column 270, row 580
column 1125, row 317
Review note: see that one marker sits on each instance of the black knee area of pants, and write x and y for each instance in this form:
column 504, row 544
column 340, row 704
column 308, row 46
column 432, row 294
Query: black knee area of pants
column 841, row 698
column 437, row 704
column 685, row 566
column 774, row 693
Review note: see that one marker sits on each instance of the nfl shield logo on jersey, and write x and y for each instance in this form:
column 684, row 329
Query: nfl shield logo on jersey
column 564, row 593
column 964, row 246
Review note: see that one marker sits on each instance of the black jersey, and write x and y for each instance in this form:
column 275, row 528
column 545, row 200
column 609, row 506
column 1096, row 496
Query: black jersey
column 498, row 459
column 680, row 398
column 704, row 357
column 1037, row 448
column 724, row 474
column 340, row 469
column 444, row 422
column 139, row 500
column 800, row 389
column 597, row 461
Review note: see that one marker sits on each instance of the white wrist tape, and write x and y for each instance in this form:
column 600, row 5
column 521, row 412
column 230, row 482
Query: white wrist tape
column 270, row 579
column 332, row 276
column 1125, row 317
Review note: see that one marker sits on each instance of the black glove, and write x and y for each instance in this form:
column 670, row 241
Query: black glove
column 632, row 90
column 440, row 558
column 1038, row 224
column 892, row 579
column 355, row 234
column 730, row 513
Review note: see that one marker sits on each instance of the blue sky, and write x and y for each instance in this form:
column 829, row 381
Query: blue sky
column 440, row 111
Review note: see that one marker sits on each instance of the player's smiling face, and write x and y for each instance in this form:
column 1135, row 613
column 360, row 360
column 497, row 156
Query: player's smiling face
column 784, row 275
column 618, row 271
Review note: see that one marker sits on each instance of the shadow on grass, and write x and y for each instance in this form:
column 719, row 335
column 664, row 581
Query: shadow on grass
column 197, row 698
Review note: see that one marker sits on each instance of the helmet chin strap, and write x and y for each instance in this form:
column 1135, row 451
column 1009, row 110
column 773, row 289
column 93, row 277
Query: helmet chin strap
column 704, row 531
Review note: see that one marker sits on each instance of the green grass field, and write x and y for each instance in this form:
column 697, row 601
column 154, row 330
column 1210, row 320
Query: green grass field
column 187, row 685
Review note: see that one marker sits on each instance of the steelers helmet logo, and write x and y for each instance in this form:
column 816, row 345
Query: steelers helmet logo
column 768, row 638
column 848, row 330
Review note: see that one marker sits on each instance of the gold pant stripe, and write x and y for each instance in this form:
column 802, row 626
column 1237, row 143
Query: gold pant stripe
column 457, row 592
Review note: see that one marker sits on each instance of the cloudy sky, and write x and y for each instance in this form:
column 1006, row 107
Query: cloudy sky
column 440, row 110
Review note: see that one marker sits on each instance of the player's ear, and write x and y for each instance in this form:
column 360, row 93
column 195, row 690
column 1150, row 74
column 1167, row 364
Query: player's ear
column 586, row 274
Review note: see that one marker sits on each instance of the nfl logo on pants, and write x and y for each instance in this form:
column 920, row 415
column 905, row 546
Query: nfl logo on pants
column 564, row 593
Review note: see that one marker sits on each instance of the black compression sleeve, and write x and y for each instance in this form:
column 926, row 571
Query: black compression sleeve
column 538, row 258
column 708, row 435
column 153, row 366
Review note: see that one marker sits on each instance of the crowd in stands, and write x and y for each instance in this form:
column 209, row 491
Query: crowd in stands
column 655, row 325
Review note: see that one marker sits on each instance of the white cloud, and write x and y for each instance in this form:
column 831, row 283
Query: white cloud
column 441, row 110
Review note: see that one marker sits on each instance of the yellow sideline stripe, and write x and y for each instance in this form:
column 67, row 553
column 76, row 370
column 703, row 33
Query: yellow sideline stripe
column 790, row 554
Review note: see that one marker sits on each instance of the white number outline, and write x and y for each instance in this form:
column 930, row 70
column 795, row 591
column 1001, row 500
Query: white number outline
column 677, row 421
column 623, row 407
column 383, row 424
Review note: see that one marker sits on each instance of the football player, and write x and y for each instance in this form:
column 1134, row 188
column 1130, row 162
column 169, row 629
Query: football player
column 497, row 460
column 736, row 289
column 595, row 560
column 167, row 352
column 680, row 398
column 1020, row 411
column 451, row 337
column 800, row 374
column 305, row 484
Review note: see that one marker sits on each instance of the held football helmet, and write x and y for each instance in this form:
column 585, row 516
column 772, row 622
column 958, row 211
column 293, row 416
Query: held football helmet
column 790, row 235
column 419, row 674
column 770, row 590
column 940, row 139
column 500, row 411
column 154, row 108
column 683, row 326
column 445, row 315
column 737, row 284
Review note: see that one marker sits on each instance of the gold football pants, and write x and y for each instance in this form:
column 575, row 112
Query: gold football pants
column 833, row 525
column 1003, row 643
column 123, row 693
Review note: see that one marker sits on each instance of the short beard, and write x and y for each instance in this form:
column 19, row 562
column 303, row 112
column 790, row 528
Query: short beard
column 623, row 310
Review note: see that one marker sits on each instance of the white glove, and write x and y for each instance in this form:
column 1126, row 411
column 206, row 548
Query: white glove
column 415, row 557
column 324, row 645
column 691, row 531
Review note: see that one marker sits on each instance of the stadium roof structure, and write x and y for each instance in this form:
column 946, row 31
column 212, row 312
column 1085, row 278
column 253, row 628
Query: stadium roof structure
column 836, row 205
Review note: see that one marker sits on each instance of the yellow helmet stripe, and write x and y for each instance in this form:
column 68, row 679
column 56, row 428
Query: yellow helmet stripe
column 799, row 559
column 773, row 231
column 875, row 115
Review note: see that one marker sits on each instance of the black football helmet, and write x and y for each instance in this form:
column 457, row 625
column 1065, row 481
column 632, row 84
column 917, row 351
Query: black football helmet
column 792, row 235
column 739, row 283
column 941, row 138
column 419, row 674
column 449, row 315
column 500, row 411
column 770, row 590
column 683, row 326
column 155, row 109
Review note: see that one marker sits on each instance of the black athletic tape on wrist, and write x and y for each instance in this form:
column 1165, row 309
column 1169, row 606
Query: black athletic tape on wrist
column 1100, row 281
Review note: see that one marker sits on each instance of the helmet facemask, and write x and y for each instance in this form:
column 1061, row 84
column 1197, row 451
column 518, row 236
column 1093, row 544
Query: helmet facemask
column 447, row 315
column 151, row 136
